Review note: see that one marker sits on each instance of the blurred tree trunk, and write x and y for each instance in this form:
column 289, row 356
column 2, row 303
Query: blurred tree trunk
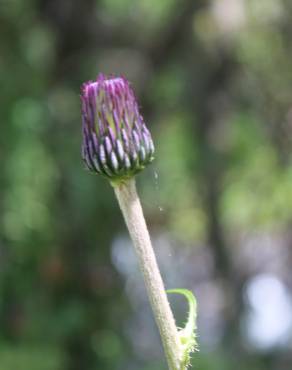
column 209, row 103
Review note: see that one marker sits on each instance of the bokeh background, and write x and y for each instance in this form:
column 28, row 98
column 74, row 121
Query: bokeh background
column 214, row 82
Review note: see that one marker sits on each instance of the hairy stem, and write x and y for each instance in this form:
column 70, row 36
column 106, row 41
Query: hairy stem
column 133, row 214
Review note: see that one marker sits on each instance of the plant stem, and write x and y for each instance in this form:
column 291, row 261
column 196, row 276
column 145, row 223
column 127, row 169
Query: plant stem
column 133, row 214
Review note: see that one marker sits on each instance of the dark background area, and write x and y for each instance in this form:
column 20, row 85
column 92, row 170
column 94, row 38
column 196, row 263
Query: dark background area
column 214, row 82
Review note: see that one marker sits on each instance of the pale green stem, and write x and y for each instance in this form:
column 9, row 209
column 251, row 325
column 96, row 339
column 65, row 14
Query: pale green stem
column 133, row 214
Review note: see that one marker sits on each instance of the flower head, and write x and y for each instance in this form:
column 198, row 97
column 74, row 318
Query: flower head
column 116, row 141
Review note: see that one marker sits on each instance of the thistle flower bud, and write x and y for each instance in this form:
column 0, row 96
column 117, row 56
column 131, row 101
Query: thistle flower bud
column 116, row 141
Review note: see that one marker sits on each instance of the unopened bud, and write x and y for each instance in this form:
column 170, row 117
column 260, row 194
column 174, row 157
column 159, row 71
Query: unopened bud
column 116, row 141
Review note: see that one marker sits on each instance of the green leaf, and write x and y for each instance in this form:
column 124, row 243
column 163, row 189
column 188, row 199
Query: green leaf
column 187, row 334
